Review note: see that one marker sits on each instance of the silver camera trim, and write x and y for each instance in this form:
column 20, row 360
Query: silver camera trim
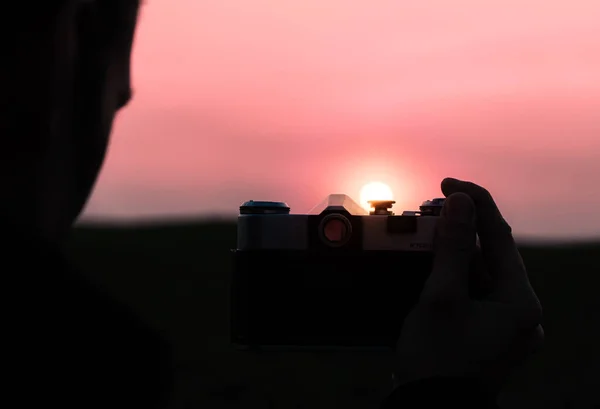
column 290, row 231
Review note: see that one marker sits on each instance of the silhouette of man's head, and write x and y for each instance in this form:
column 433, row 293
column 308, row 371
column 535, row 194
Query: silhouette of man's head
column 64, row 75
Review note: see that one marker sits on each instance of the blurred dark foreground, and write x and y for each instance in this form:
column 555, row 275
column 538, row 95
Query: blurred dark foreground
column 177, row 277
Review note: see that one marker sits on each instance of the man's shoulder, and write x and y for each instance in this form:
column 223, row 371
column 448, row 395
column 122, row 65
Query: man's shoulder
column 76, row 333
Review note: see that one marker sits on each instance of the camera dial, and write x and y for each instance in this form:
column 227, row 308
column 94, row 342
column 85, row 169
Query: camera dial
column 432, row 207
column 382, row 207
column 262, row 207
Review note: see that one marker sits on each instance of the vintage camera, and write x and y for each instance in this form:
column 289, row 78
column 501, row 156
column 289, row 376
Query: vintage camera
column 338, row 277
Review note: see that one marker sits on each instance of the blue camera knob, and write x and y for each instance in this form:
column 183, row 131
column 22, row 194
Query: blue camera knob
column 263, row 207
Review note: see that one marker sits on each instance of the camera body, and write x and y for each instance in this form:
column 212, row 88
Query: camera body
column 338, row 277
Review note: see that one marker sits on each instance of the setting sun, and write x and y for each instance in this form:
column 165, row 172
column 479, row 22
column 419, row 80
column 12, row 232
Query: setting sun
column 374, row 191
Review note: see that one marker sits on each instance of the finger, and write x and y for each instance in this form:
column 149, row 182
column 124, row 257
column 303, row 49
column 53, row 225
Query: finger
column 511, row 283
column 453, row 246
column 480, row 282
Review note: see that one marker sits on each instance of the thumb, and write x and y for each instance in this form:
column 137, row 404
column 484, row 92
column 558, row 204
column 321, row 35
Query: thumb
column 454, row 247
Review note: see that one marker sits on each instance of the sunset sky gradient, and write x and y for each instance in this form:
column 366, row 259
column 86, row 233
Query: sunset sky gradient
column 295, row 99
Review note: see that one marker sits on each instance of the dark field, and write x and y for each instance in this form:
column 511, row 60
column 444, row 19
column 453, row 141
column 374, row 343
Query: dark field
column 177, row 278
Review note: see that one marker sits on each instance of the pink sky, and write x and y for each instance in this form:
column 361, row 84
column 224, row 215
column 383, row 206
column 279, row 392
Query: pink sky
column 294, row 99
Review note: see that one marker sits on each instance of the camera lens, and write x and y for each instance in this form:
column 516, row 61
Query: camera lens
column 335, row 230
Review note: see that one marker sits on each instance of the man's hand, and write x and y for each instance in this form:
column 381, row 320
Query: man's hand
column 450, row 333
